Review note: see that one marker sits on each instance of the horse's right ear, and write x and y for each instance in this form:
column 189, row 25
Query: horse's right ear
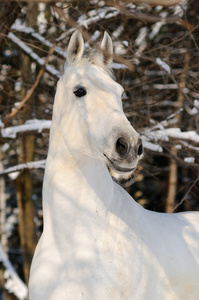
column 75, row 47
column 107, row 49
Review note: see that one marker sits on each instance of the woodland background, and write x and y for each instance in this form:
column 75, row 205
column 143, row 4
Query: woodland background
column 156, row 61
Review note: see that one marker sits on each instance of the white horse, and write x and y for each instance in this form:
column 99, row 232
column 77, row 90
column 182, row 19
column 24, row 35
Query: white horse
column 98, row 243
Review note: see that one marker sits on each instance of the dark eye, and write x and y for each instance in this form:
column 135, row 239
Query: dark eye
column 80, row 92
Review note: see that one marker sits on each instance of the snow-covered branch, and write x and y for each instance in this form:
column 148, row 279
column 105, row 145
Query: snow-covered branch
column 40, row 164
column 151, row 138
column 30, row 125
column 17, row 26
column 33, row 55
column 61, row 52
column 105, row 13
column 176, row 133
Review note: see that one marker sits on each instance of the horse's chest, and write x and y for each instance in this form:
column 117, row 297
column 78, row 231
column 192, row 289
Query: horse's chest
column 97, row 266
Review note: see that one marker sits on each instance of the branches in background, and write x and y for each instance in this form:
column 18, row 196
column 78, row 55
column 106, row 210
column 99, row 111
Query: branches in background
column 150, row 44
column 150, row 2
column 28, row 95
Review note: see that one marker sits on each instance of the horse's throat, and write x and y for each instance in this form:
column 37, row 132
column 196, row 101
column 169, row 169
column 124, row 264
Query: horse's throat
column 74, row 192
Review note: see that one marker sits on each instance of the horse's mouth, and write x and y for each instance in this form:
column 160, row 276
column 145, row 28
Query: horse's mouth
column 117, row 168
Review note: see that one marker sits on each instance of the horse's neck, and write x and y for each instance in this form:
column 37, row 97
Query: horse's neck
column 73, row 190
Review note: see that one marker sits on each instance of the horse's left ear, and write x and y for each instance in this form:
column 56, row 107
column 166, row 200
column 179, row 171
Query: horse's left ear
column 107, row 49
column 75, row 47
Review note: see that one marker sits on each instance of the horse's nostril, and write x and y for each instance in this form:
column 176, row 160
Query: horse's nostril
column 122, row 147
column 140, row 149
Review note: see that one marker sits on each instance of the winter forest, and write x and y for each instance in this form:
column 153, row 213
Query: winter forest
column 156, row 60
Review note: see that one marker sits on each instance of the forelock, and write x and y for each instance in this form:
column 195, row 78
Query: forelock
column 94, row 58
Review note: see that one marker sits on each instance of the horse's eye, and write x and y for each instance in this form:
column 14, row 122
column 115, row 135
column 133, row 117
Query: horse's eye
column 80, row 92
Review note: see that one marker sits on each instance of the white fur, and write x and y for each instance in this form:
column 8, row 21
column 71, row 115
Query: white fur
column 98, row 243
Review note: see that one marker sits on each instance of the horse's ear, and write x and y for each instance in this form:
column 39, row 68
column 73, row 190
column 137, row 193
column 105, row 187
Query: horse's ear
column 75, row 47
column 107, row 49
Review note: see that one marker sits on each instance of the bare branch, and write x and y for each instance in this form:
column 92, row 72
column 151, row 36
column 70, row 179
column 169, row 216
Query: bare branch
column 28, row 95
column 150, row 2
column 187, row 193
column 155, row 2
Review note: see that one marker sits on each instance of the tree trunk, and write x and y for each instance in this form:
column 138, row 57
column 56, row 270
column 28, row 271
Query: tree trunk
column 26, row 219
column 24, row 188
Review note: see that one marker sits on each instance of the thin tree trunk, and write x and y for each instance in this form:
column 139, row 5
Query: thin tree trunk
column 2, row 209
column 24, row 185
column 173, row 168
column 172, row 182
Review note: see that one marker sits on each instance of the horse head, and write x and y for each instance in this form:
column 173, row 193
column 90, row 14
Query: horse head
column 88, row 108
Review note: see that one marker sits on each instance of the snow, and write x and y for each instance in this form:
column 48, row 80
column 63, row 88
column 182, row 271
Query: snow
column 169, row 86
column 41, row 19
column 141, row 36
column 93, row 38
column 195, row 109
column 157, row 26
column 11, row 221
column 186, row 135
column 151, row 146
column 141, row 43
column 14, row 175
column 189, row 160
column 116, row 33
column 1, row 123
column 163, row 65
column 120, row 49
column 13, row 283
column 155, row 30
column 196, row 103
column 171, row 116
